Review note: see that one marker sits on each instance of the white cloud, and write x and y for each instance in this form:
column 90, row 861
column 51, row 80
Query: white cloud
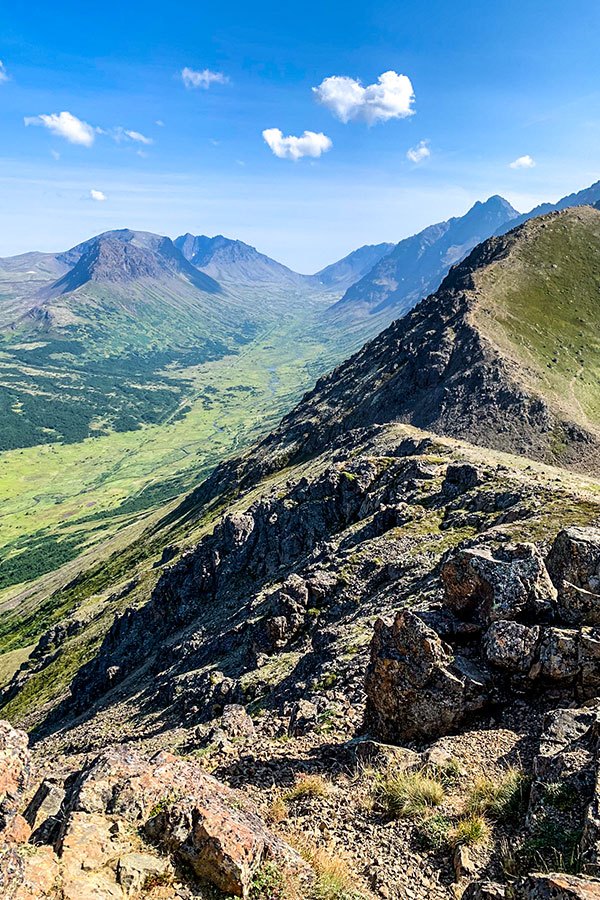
column 390, row 98
column 308, row 144
column 160, row 122
column 419, row 153
column 97, row 195
column 141, row 138
column 65, row 125
column 3, row 73
column 523, row 162
column 203, row 79
column 55, row 154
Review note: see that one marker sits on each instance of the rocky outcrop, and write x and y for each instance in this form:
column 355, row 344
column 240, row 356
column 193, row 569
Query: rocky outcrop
column 507, row 582
column 507, row 624
column 416, row 688
column 574, row 566
column 97, row 852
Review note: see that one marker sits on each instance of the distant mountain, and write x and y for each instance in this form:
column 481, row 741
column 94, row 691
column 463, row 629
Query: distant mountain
column 347, row 271
column 234, row 261
column 125, row 255
column 417, row 264
column 587, row 197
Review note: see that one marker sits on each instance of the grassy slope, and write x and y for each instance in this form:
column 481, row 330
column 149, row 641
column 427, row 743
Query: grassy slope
column 541, row 307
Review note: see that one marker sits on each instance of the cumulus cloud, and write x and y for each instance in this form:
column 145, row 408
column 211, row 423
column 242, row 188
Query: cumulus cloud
column 193, row 78
column 3, row 73
column 419, row 153
column 391, row 97
column 97, row 195
column 310, row 143
column 523, row 162
column 136, row 136
column 65, row 125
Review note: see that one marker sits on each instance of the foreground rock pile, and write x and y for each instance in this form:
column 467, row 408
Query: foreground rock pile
column 125, row 824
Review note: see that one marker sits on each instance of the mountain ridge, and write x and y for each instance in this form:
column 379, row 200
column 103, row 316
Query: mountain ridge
column 418, row 263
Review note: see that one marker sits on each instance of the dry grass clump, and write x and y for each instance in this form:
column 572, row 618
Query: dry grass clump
column 408, row 794
column 333, row 877
column 470, row 831
column 498, row 798
column 277, row 811
column 307, row 786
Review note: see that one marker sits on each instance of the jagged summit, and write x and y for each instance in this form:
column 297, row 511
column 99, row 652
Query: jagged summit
column 232, row 260
column 417, row 264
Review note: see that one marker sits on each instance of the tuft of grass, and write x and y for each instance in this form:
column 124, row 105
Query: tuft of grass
column 470, row 831
column 550, row 848
column 307, row 786
column 498, row 798
column 158, row 880
column 333, row 878
column 408, row 794
column 277, row 811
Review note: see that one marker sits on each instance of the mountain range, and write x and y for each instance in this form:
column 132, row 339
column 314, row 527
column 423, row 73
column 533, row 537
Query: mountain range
column 417, row 264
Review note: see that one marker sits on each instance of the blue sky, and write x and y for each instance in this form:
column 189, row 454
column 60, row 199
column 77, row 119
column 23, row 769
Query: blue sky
column 493, row 83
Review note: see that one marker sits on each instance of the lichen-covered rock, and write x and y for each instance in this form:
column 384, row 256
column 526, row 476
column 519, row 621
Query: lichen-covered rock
column 416, row 689
column 574, row 566
column 508, row 582
column 15, row 761
column 542, row 886
column 31, row 874
column 135, row 869
column 558, row 654
column 366, row 752
column 180, row 806
column 511, row 645
column 42, row 813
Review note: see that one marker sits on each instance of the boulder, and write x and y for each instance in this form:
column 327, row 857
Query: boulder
column 303, row 718
column 236, row 723
column 511, row 645
column 574, row 566
column 416, row 689
column 367, row 752
column 541, row 886
column 30, row 875
column 558, row 654
column 507, row 582
column 135, row 870
column 181, row 807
